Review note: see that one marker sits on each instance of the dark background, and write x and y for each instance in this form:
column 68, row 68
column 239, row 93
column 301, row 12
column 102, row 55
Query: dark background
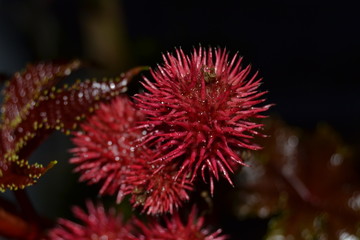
column 308, row 52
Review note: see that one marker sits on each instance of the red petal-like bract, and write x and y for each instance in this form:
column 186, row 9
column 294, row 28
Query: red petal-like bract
column 28, row 121
column 96, row 225
column 107, row 152
column 175, row 229
column 200, row 111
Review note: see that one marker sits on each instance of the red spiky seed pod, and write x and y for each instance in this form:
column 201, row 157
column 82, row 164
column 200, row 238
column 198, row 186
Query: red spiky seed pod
column 106, row 152
column 174, row 229
column 199, row 112
column 156, row 189
column 105, row 148
column 95, row 224
column 99, row 224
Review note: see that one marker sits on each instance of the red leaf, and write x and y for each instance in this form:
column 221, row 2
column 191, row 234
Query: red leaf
column 20, row 94
column 24, row 87
column 45, row 108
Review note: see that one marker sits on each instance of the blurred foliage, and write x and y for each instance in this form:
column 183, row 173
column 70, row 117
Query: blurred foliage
column 307, row 184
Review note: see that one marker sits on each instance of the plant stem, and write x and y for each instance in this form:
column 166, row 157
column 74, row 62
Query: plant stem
column 13, row 226
column 24, row 201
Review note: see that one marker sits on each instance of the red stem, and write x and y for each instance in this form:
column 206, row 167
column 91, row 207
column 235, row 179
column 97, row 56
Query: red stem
column 13, row 226
column 26, row 206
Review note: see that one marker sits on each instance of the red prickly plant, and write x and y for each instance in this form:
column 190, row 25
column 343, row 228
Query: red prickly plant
column 199, row 112
column 106, row 152
column 105, row 148
column 175, row 229
column 96, row 224
column 156, row 189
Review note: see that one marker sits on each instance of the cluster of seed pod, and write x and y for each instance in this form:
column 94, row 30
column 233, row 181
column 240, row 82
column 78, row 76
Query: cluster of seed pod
column 194, row 118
